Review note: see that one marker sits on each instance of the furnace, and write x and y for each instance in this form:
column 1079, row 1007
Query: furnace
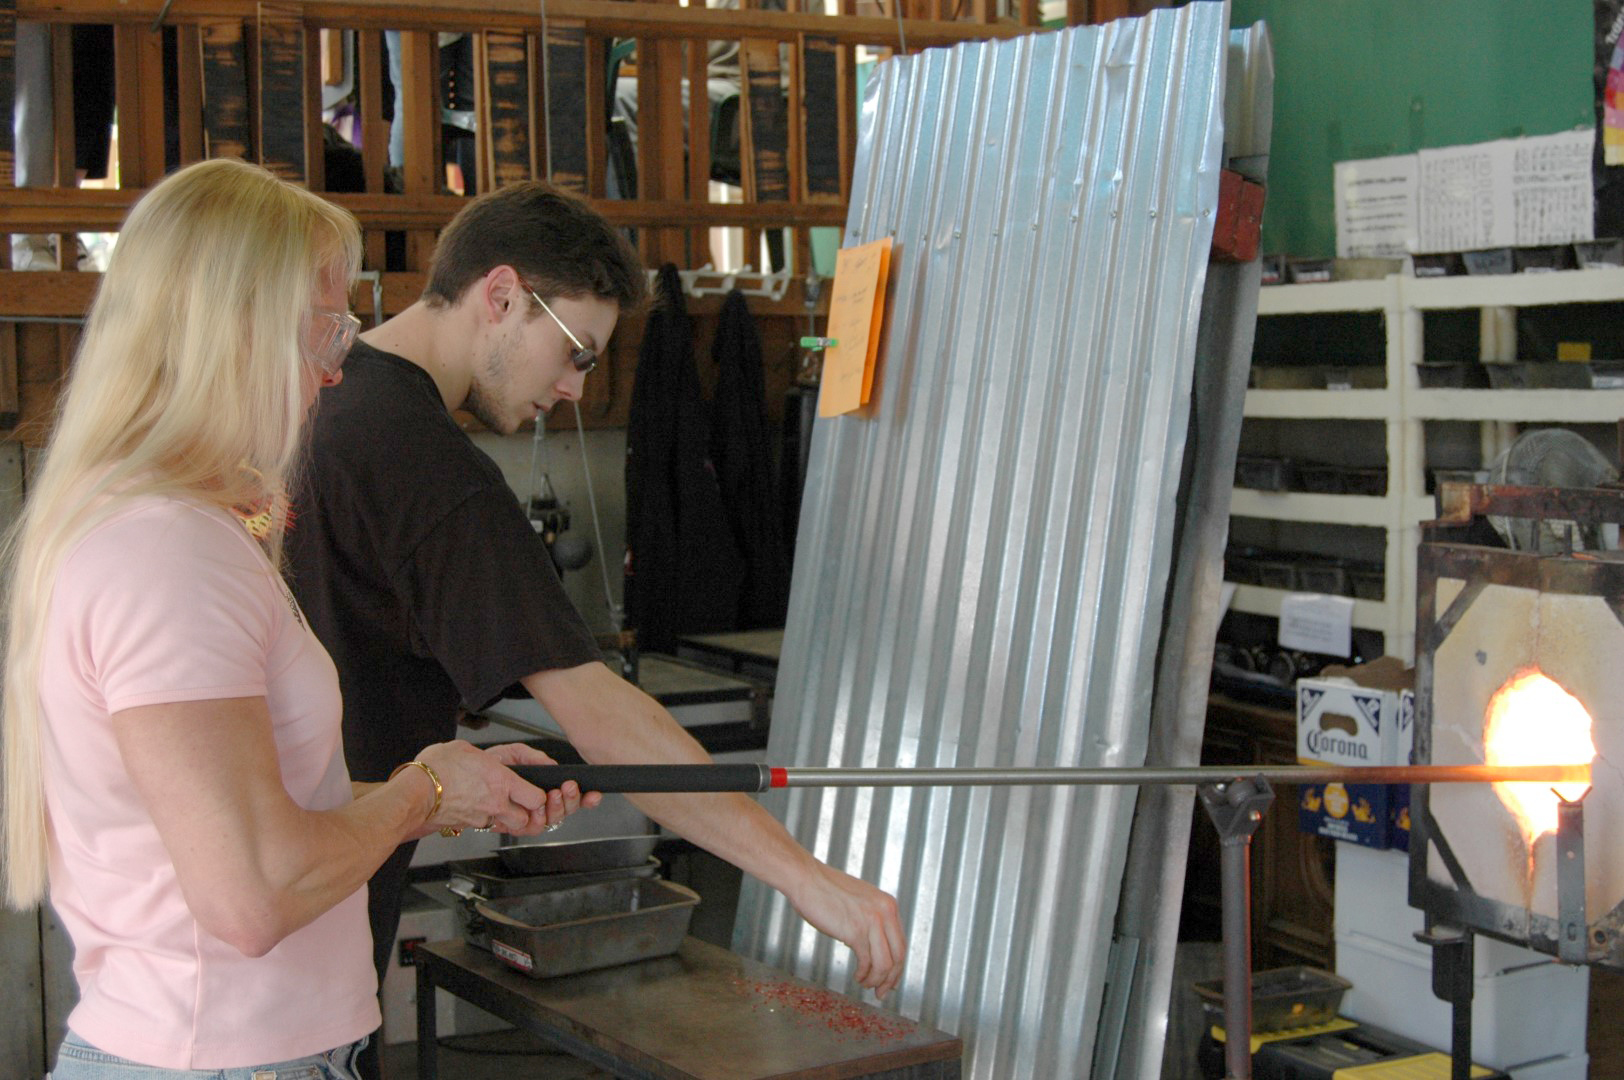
column 1519, row 657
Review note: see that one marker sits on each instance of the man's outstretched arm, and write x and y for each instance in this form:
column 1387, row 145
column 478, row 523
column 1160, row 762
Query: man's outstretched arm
column 610, row 721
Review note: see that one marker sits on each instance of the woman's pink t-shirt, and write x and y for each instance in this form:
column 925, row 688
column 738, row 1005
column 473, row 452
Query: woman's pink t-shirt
column 171, row 601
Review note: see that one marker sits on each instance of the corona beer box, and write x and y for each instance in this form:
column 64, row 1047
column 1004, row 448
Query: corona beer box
column 1374, row 815
column 1363, row 715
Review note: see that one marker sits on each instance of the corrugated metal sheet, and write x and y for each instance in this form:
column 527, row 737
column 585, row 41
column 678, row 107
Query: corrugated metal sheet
column 1134, row 1025
column 983, row 558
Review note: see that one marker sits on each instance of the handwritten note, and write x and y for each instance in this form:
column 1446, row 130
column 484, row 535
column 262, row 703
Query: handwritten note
column 856, row 311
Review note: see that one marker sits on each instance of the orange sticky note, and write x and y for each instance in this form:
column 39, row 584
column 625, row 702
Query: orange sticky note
column 856, row 311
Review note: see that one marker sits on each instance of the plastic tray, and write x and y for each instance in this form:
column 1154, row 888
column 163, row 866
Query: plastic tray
column 566, row 931
column 1544, row 258
column 1322, row 479
column 1464, row 375
column 1263, row 473
column 1590, row 254
column 1537, row 376
column 1488, row 261
column 1367, row 582
column 1319, row 377
column 1365, row 481
column 1328, row 578
column 1283, row 998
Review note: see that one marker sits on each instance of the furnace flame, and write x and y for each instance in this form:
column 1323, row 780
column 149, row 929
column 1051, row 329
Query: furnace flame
column 1533, row 721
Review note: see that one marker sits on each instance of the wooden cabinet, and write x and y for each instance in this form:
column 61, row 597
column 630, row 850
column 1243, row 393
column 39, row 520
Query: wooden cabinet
column 1292, row 891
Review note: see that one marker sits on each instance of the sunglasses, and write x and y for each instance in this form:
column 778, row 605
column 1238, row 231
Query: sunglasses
column 583, row 358
column 330, row 337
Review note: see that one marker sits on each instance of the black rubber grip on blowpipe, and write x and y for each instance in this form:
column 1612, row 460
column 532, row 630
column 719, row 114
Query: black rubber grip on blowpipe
column 649, row 779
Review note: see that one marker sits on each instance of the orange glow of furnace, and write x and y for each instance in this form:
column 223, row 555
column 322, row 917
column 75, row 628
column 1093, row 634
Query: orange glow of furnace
column 1531, row 720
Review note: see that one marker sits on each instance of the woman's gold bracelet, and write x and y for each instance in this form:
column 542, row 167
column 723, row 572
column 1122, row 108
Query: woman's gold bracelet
column 435, row 780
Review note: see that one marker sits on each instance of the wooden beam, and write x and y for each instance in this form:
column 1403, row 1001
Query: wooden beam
column 597, row 117
column 281, row 100
column 507, row 97
column 566, row 104
column 667, row 141
column 226, row 124
column 67, row 244
column 374, row 131
column 189, row 91
column 607, row 18
column 10, row 392
column 765, row 156
column 650, row 243
column 697, row 63
column 315, row 128
column 58, row 294
column 8, row 92
column 417, row 103
column 1107, row 10
column 821, row 120
column 332, row 56
column 139, row 96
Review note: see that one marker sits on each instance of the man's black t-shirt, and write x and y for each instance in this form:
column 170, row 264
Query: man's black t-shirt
column 416, row 566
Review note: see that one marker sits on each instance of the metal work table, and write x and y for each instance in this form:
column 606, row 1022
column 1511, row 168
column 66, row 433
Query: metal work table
column 752, row 653
column 703, row 1014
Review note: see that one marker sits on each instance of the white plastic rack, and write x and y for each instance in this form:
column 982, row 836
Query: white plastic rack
column 1405, row 407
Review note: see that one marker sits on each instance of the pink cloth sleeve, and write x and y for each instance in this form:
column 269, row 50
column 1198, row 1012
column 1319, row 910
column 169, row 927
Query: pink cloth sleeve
column 175, row 608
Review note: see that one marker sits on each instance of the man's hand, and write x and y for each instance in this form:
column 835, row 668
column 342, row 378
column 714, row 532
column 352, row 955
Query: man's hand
column 855, row 912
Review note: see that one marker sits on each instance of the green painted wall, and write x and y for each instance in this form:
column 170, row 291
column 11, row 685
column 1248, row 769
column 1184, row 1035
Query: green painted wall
column 1367, row 78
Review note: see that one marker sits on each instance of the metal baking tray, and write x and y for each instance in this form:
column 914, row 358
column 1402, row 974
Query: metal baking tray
column 594, row 926
column 1282, row 998
column 577, row 856
column 490, row 880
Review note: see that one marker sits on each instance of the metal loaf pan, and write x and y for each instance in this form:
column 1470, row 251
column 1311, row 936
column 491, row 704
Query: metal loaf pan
column 594, row 926
column 1282, row 998
column 577, row 856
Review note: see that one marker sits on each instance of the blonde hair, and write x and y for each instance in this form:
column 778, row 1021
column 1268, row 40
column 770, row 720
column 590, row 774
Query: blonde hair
column 190, row 380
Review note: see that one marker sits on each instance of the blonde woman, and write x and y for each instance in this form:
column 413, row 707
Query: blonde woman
column 173, row 767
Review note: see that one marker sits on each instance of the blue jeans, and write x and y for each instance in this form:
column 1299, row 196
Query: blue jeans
column 78, row 1060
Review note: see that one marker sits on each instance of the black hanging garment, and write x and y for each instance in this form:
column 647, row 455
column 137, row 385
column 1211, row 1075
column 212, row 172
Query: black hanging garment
column 683, row 573
column 741, row 447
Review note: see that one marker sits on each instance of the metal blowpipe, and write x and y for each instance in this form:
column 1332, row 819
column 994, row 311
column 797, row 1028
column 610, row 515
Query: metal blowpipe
column 650, row 779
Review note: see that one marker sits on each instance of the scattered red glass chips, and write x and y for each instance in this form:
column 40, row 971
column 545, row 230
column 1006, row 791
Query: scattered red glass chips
column 838, row 1013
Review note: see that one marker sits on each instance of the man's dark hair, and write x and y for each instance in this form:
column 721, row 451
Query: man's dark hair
column 557, row 243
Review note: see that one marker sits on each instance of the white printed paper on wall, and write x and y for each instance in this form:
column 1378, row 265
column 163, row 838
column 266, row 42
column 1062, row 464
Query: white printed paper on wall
column 1466, row 199
column 1506, row 193
column 1552, row 192
column 1376, row 212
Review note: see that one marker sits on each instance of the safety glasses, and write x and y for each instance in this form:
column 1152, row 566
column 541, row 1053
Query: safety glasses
column 329, row 339
column 583, row 358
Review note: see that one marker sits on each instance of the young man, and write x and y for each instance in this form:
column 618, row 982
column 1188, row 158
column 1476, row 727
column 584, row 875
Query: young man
column 418, row 569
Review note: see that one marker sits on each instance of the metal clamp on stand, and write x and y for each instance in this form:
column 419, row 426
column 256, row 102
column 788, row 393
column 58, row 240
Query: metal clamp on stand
column 1236, row 809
